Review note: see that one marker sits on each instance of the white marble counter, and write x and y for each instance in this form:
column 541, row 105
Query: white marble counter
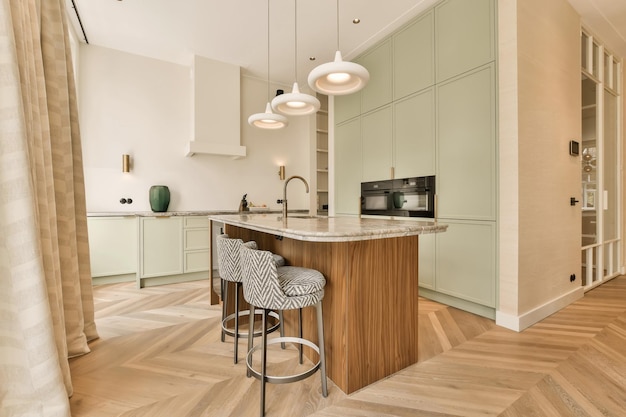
column 176, row 213
column 329, row 229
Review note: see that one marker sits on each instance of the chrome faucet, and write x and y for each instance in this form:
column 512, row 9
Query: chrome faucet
column 306, row 184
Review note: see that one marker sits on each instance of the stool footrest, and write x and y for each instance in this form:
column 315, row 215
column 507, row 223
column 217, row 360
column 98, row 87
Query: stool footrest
column 273, row 379
column 246, row 313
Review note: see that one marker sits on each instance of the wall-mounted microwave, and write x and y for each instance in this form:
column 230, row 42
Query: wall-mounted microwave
column 405, row 197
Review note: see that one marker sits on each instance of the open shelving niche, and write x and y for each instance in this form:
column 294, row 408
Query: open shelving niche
column 321, row 148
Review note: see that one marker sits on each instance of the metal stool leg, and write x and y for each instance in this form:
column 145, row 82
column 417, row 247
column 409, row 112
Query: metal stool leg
column 282, row 328
column 224, row 287
column 250, row 336
column 263, row 361
column 320, row 343
column 300, row 356
column 237, row 285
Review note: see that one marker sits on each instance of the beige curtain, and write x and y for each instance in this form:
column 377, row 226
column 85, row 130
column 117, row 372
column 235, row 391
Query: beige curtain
column 46, row 303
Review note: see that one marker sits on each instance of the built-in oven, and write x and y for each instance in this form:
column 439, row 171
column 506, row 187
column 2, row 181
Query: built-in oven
column 405, row 197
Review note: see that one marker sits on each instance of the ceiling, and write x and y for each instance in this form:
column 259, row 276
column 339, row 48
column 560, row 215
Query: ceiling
column 236, row 31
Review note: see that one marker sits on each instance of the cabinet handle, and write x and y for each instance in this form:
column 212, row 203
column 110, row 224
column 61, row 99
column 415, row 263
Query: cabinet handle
column 393, row 173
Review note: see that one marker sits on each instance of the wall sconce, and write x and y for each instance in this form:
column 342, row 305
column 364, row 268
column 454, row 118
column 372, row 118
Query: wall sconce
column 125, row 163
column 281, row 172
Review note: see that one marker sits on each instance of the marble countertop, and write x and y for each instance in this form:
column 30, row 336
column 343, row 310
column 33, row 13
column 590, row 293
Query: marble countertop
column 178, row 213
column 329, row 229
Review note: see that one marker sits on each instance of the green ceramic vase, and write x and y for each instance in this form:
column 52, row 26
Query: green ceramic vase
column 159, row 198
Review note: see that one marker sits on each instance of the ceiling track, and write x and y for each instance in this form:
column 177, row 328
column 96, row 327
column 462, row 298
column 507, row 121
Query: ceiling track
column 80, row 22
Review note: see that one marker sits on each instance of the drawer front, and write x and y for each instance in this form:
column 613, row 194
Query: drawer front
column 196, row 239
column 196, row 221
column 197, row 261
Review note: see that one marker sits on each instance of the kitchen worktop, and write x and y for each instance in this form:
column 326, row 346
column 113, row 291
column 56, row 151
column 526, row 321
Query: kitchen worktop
column 176, row 213
column 329, row 229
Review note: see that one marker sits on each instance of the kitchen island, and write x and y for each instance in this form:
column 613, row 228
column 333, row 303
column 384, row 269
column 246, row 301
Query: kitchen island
column 371, row 295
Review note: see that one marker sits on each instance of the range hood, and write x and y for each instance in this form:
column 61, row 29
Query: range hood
column 216, row 109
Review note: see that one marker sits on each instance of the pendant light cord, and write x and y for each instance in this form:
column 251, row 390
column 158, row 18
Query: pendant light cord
column 337, row 3
column 268, row 50
column 295, row 26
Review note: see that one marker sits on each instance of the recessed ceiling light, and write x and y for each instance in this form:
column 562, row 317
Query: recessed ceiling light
column 356, row 20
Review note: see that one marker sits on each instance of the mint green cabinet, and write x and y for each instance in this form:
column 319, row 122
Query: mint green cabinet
column 378, row 90
column 466, row 140
column 348, row 167
column 464, row 36
column 426, row 265
column 413, row 57
column 113, row 248
column 173, row 249
column 161, row 243
column 466, row 262
column 376, row 137
column 347, row 107
column 414, row 135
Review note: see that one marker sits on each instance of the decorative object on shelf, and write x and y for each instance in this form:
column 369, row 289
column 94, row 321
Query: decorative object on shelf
column 159, row 198
column 296, row 103
column 269, row 119
column 243, row 205
column 125, row 163
column 338, row 77
column 281, row 172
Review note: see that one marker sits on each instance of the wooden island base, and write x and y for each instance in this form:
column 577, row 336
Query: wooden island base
column 370, row 302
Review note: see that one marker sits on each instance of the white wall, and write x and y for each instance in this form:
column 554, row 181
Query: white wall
column 540, row 103
column 141, row 106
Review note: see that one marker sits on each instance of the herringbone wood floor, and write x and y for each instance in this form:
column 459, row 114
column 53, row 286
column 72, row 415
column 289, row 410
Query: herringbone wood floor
column 160, row 355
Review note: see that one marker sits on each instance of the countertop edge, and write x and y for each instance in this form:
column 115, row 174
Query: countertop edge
column 400, row 228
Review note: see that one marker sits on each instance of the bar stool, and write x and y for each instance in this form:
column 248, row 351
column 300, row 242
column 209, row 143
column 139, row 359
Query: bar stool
column 267, row 286
column 229, row 266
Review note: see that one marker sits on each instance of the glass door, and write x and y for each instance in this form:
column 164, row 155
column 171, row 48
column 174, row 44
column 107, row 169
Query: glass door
column 600, row 161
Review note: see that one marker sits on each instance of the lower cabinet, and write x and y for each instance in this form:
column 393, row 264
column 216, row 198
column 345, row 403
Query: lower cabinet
column 151, row 250
column 458, row 267
column 161, row 244
column 172, row 249
column 112, row 248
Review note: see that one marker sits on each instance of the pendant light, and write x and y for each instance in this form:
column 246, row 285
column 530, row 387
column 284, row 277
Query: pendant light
column 296, row 103
column 268, row 120
column 338, row 77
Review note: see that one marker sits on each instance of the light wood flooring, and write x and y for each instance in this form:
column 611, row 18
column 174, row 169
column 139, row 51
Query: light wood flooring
column 159, row 354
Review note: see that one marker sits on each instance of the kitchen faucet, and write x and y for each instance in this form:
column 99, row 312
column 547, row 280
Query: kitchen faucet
column 285, row 193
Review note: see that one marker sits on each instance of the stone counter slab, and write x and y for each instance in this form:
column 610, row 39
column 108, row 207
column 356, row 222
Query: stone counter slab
column 330, row 229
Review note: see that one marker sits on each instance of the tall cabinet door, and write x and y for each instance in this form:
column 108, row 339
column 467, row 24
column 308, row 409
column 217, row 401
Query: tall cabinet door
column 378, row 90
column 464, row 33
column 414, row 135
column 413, row 62
column 466, row 180
column 377, row 136
column 348, row 167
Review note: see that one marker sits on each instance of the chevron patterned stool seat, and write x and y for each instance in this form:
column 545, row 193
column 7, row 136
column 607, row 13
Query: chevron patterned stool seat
column 270, row 287
column 229, row 265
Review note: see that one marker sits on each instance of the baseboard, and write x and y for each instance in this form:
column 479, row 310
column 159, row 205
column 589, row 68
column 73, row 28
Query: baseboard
column 523, row 321
column 113, row 279
column 469, row 306
column 173, row 279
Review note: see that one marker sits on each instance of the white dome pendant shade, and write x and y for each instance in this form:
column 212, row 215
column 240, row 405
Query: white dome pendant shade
column 268, row 120
column 295, row 103
column 338, row 77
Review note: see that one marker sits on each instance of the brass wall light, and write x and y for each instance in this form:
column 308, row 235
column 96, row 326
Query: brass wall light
column 281, row 172
column 125, row 163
